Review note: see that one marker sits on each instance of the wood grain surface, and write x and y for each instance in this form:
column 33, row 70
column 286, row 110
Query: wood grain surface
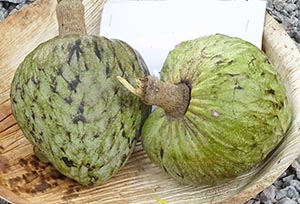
column 23, row 179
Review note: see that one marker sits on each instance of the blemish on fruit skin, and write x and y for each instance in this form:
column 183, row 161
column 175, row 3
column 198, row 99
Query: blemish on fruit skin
column 68, row 134
column 63, row 150
column 234, row 75
column 219, row 62
column 79, row 118
column 35, row 81
column 271, row 91
column 86, row 67
column 251, row 63
column 68, row 100
column 237, row 86
column 116, row 90
column 81, row 108
column 122, row 126
column 74, row 83
column 53, row 84
column 96, row 135
column 14, row 101
column 22, row 93
column 117, row 61
column 107, row 71
column 33, row 116
column 59, row 71
column 215, row 113
column 35, row 97
column 43, row 116
column 68, row 162
column 93, row 180
column 217, row 56
column 279, row 105
column 74, row 49
column 89, row 167
column 230, row 62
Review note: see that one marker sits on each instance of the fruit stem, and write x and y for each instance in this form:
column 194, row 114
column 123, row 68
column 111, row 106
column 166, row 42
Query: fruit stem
column 173, row 98
column 70, row 17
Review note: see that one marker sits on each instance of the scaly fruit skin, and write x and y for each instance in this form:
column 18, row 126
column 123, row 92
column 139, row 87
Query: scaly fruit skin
column 69, row 104
column 238, row 111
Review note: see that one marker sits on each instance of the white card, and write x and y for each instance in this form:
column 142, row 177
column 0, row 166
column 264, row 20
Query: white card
column 154, row 27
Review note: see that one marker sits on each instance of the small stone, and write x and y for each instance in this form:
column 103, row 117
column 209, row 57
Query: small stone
column 280, row 195
column 268, row 194
column 296, row 36
column 13, row 11
column 296, row 184
column 278, row 5
column 11, row 7
column 292, row 193
column 288, row 192
column 19, row 6
column 298, row 174
column 290, row 7
column 2, row 201
column 16, row 1
column 3, row 14
column 293, row 20
column 287, row 179
column 277, row 16
column 278, row 184
column 287, row 201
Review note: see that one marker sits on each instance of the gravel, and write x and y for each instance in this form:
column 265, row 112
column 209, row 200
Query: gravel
column 9, row 7
column 2, row 201
column 287, row 12
column 286, row 189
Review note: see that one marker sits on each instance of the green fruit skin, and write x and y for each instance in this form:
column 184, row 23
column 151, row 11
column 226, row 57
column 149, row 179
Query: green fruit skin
column 68, row 102
column 238, row 112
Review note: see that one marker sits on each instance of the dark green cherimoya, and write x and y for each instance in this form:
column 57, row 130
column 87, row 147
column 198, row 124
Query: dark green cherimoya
column 69, row 104
column 222, row 110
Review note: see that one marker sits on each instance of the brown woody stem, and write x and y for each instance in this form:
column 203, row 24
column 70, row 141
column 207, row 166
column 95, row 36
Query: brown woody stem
column 70, row 17
column 173, row 98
